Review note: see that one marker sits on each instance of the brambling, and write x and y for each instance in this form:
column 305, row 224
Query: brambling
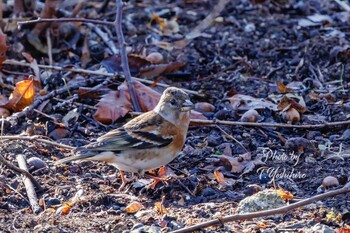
column 145, row 143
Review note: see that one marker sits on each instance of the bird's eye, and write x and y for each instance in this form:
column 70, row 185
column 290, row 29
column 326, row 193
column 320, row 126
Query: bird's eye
column 173, row 102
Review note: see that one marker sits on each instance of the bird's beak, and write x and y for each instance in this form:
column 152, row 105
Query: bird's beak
column 186, row 106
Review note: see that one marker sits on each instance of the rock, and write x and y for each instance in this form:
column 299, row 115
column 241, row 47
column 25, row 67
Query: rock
column 36, row 163
column 264, row 200
column 52, row 201
column 208, row 192
column 346, row 135
column 175, row 225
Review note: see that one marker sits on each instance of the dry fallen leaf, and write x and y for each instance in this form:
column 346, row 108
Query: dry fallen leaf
column 22, row 96
column 242, row 163
column 288, row 101
column 133, row 207
column 285, row 195
column 3, row 48
column 246, row 102
column 112, row 106
column 160, row 208
column 222, row 180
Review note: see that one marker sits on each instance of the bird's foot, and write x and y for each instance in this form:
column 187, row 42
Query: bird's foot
column 125, row 181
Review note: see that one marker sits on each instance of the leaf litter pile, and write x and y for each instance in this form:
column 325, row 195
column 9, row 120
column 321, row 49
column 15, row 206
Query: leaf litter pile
column 270, row 83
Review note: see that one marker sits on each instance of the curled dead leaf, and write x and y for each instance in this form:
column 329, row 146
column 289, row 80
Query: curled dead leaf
column 4, row 112
column 286, row 102
column 285, row 195
column 160, row 208
column 112, row 106
column 133, row 207
column 246, row 102
column 222, row 180
column 22, row 96
column 3, row 47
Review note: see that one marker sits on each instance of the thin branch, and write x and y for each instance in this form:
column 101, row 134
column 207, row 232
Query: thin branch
column 91, row 72
column 62, row 20
column 123, row 55
column 281, row 210
column 197, row 122
column 38, row 139
column 22, row 172
column 343, row 4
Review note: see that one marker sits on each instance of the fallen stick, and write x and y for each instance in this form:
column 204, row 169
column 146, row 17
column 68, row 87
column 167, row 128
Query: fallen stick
column 33, row 200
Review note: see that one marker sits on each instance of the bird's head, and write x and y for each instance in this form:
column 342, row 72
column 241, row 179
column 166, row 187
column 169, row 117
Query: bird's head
column 173, row 104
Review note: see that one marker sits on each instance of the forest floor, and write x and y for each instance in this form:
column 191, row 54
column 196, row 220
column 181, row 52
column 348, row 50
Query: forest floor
column 288, row 61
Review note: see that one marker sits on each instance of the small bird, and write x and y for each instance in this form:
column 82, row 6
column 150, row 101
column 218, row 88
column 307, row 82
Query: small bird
column 147, row 142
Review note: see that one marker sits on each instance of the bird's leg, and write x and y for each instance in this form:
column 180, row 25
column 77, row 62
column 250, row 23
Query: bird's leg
column 125, row 181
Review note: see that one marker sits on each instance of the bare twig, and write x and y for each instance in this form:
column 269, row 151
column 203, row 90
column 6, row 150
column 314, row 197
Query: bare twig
column 231, row 137
column 281, row 210
column 62, row 20
column 91, row 72
column 123, row 55
column 49, row 46
column 38, row 139
column 196, row 32
column 21, row 171
column 343, row 4
column 197, row 122
column 33, row 200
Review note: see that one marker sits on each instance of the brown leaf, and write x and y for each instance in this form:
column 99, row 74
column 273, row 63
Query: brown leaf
column 246, row 102
column 156, row 70
column 4, row 112
column 3, row 48
column 242, row 163
column 112, row 106
column 22, row 96
column 287, row 102
column 160, row 208
column 133, row 207
column 222, row 180
column 136, row 62
column 285, row 195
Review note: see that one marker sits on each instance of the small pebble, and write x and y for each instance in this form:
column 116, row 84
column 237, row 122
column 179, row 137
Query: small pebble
column 52, row 202
column 208, row 192
column 36, row 163
column 346, row 135
column 175, row 225
column 330, row 182
column 250, row 27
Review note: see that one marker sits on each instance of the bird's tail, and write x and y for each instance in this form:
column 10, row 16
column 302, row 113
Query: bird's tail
column 82, row 156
